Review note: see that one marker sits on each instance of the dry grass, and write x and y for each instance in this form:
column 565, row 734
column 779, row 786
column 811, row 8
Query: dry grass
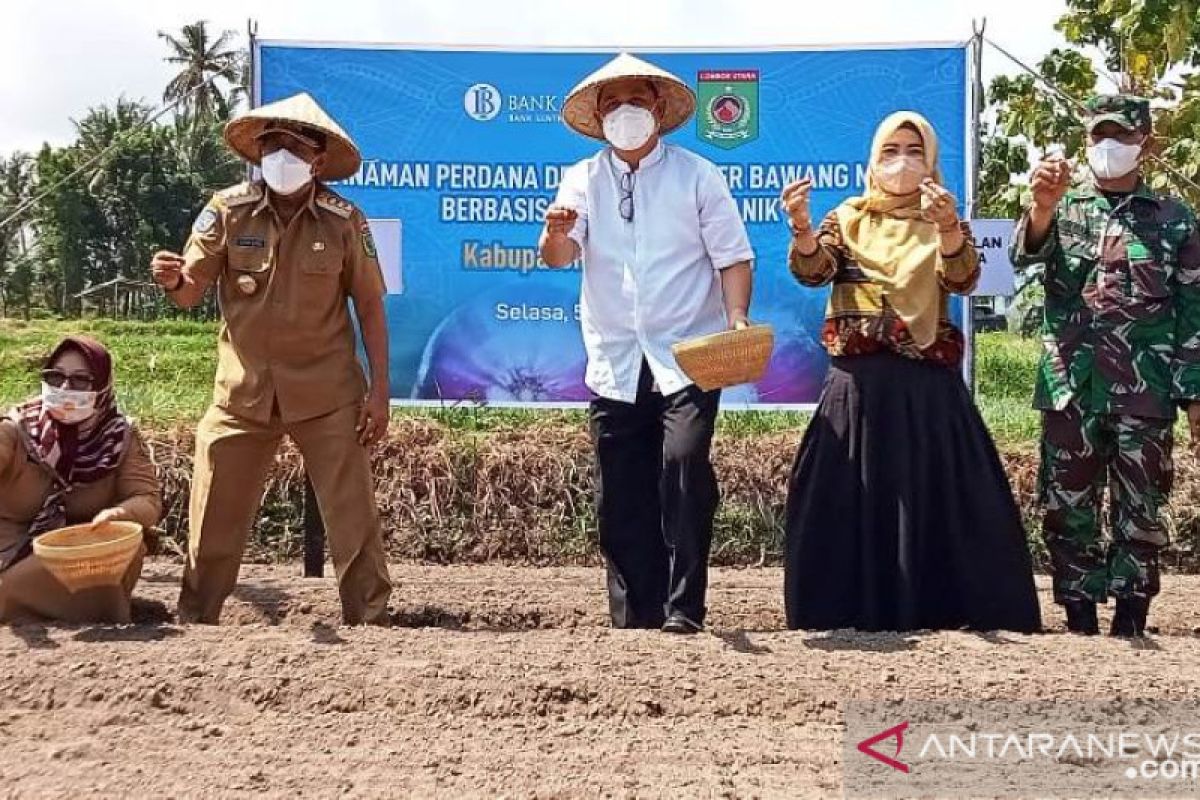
column 525, row 495
column 471, row 484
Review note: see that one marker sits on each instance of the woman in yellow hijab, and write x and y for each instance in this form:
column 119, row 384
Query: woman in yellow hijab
column 900, row 516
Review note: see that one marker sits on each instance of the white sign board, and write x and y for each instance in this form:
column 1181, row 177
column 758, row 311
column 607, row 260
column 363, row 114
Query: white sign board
column 388, row 235
column 992, row 237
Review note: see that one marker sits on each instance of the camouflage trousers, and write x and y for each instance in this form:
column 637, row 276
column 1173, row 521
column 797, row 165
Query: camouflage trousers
column 1082, row 454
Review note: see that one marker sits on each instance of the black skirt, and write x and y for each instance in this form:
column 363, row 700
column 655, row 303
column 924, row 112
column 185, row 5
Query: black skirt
column 900, row 516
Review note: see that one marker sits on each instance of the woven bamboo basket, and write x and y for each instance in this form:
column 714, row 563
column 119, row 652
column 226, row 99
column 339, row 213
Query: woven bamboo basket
column 83, row 556
column 726, row 359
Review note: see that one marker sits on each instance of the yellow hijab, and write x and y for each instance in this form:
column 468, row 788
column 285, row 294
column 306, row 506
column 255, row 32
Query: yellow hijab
column 892, row 241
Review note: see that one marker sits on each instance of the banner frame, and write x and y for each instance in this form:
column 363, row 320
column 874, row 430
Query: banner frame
column 971, row 52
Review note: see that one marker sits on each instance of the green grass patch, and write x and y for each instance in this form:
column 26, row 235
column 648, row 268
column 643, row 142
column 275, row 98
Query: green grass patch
column 1005, row 365
column 165, row 372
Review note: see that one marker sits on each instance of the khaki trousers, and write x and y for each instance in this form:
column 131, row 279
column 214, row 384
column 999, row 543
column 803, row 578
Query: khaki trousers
column 28, row 591
column 233, row 457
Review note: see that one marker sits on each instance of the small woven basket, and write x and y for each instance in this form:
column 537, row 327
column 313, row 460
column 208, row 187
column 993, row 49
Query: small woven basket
column 728, row 358
column 83, row 556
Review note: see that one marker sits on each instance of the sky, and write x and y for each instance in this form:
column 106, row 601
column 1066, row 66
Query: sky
column 60, row 57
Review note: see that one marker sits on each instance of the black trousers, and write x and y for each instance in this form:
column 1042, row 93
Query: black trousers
column 656, row 497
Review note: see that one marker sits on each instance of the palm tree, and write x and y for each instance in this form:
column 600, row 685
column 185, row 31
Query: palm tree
column 100, row 129
column 203, row 156
column 207, row 83
column 16, row 184
column 16, row 179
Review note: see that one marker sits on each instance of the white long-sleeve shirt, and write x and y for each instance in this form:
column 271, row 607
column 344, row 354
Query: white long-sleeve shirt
column 653, row 281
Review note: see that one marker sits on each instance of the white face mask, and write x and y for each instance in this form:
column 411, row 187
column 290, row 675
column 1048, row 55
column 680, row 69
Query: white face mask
column 285, row 172
column 1111, row 159
column 68, row 406
column 901, row 175
column 628, row 127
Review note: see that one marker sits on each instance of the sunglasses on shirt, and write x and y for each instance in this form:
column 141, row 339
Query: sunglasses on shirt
column 625, row 206
column 77, row 381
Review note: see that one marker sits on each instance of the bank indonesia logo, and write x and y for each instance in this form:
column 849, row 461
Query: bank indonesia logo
column 482, row 102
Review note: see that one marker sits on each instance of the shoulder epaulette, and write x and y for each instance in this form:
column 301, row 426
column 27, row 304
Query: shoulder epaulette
column 240, row 195
column 334, row 203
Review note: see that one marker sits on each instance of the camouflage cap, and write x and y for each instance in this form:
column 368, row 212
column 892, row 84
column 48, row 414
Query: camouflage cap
column 1131, row 113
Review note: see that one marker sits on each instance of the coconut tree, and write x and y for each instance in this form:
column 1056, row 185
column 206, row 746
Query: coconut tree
column 206, row 85
column 16, row 181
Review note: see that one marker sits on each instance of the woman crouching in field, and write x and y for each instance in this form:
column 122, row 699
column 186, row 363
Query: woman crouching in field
column 899, row 516
column 69, row 457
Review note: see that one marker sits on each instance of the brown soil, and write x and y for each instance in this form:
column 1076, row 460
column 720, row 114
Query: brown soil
column 504, row 681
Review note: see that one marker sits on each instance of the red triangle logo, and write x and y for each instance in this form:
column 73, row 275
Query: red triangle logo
column 866, row 747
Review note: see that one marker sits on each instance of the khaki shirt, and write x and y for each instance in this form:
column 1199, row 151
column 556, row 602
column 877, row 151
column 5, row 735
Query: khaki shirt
column 286, row 337
column 25, row 484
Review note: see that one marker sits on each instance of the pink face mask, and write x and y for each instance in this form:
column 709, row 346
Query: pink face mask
column 68, row 406
column 901, row 175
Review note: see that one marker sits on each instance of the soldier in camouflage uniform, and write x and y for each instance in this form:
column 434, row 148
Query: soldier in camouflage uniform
column 1121, row 352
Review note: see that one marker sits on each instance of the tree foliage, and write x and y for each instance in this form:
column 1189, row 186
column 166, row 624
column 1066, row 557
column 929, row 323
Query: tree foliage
column 16, row 267
column 124, row 187
column 207, row 85
column 1146, row 47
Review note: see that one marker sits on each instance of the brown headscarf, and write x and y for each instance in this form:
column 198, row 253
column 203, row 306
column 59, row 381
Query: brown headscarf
column 77, row 454
column 892, row 241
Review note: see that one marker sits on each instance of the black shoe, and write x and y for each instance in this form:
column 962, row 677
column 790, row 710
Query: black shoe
column 678, row 623
column 1129, row 620
column 1081, row 617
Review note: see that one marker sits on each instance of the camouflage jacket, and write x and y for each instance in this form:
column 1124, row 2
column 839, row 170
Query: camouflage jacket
column 1121, row 324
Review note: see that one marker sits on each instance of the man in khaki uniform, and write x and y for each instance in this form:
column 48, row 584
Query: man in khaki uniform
column 285, row 254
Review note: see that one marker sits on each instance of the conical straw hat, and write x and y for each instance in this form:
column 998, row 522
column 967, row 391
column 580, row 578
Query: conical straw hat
column 342, row 156
column 579, row 111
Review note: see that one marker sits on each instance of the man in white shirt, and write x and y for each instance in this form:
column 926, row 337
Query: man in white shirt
column 666, row 258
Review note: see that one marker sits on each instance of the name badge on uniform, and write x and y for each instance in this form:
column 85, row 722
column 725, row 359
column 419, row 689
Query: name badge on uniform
column 250, row 241
column 318, row 247
column 247, row 284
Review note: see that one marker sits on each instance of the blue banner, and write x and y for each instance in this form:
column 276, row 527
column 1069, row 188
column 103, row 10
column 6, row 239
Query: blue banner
column 464, row 149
